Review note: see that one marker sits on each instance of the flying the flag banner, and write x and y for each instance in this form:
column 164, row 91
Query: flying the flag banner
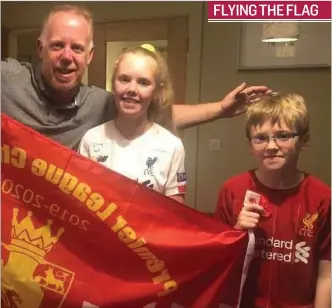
column 262, row 10
column 75, row 234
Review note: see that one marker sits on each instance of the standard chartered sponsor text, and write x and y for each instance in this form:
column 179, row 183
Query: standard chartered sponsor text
column 282, row 250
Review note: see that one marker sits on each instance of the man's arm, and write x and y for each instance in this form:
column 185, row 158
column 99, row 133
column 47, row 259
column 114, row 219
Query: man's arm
column 233, row 104
column 185, row 116
column 323, row 285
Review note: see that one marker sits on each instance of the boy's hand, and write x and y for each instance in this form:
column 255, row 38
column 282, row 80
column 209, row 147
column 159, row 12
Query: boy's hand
column 249, row 217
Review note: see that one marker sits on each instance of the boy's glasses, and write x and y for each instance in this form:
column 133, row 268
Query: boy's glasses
column 279, row 138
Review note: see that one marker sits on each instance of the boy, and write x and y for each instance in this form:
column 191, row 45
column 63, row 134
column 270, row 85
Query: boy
column 289, row 210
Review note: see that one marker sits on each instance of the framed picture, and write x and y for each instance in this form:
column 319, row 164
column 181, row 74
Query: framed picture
column 284, row 45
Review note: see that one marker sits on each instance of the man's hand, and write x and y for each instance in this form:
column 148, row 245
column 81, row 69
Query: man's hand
column 249, row 217
column 237, row 101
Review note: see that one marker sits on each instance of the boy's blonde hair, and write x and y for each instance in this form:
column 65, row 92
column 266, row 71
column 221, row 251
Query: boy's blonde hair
column 160, row 110
column 277, row 108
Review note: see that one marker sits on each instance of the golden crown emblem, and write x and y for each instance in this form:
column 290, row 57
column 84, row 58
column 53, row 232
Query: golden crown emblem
column 27, row 239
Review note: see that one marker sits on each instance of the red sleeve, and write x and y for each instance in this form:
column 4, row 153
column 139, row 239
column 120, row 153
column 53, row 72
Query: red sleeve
column 225, row 207
column 324, row 233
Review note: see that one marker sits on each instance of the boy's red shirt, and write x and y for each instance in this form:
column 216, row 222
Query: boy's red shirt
column 291, row 239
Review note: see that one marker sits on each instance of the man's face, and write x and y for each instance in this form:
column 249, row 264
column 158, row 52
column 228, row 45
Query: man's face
column 65, row 50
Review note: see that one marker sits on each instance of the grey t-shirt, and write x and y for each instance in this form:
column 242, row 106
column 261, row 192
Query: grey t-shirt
column 24, row 98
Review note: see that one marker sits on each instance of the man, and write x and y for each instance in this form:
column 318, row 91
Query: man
column 51, row 99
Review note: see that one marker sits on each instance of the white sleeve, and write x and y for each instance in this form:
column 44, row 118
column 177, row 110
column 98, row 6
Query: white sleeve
column 83, row 147
column 177, row 179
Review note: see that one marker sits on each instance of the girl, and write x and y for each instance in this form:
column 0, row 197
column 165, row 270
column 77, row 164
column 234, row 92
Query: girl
column 133, row 144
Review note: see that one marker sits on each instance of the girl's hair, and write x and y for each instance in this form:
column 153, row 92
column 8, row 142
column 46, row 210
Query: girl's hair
column 160, row 109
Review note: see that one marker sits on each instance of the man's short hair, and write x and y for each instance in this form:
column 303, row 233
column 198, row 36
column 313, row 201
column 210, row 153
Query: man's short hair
column 78, row 10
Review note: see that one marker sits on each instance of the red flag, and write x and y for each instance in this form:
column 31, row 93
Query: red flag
column 75, row 234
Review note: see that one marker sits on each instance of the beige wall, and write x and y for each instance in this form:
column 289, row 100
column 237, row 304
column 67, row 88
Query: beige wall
column 211, row 73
